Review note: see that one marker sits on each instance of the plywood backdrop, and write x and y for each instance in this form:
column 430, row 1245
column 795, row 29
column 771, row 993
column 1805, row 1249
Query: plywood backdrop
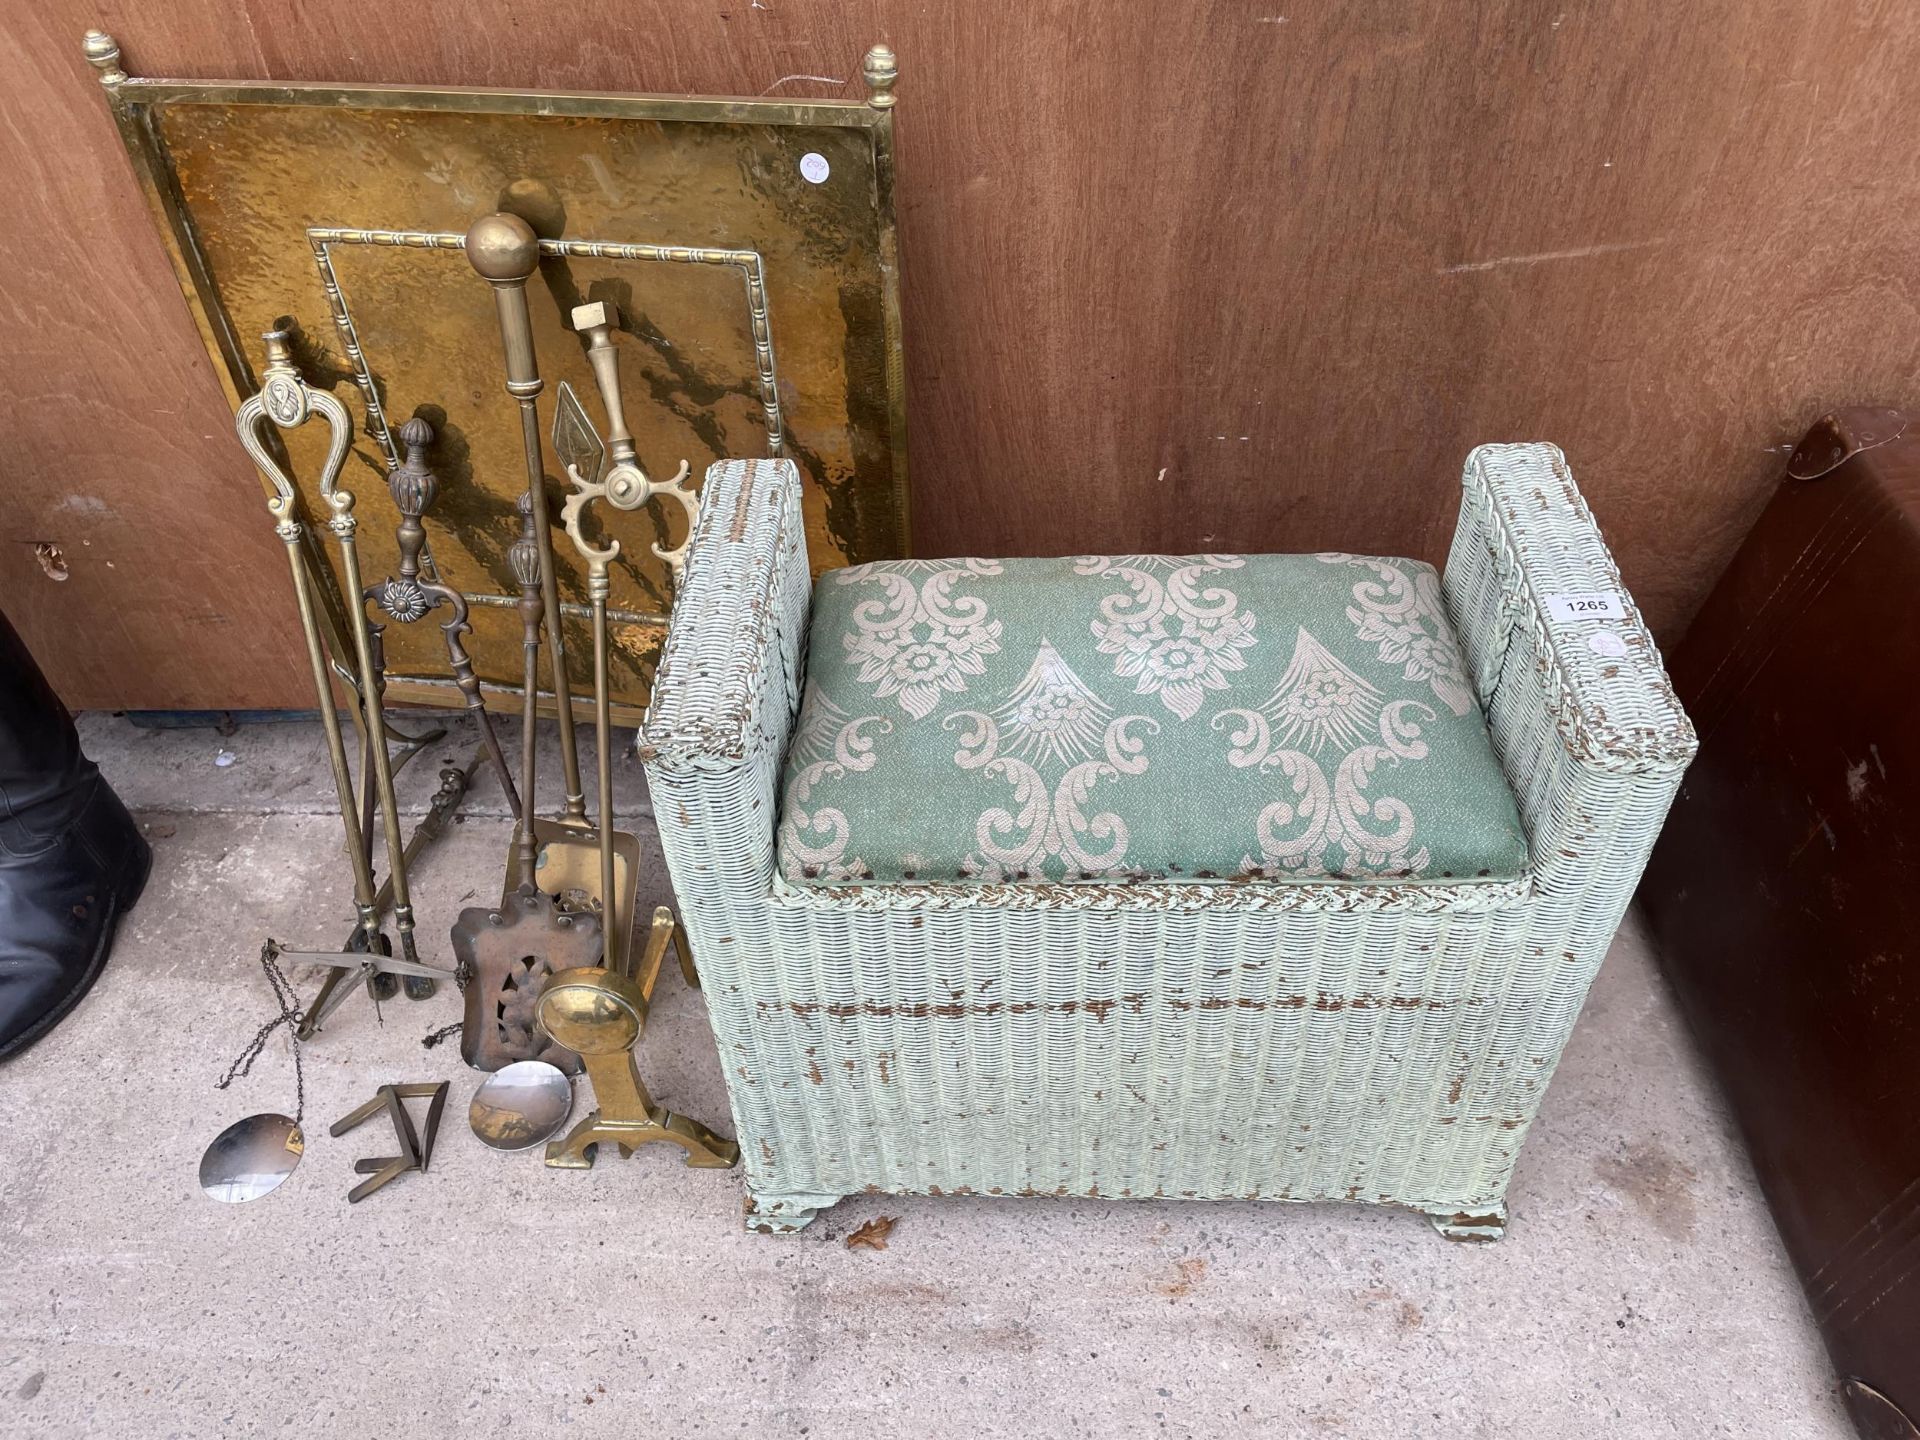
column 1178, row 276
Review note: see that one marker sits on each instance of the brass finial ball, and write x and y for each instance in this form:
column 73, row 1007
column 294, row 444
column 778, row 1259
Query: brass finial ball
column 104, row 55
column 882, row 70
column 502, row 247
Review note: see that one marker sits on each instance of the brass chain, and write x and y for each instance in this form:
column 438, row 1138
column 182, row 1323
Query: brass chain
column 290, row 1016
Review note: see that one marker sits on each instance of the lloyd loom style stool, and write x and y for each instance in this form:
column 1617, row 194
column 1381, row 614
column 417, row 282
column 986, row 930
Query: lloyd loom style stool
column 1203, row 876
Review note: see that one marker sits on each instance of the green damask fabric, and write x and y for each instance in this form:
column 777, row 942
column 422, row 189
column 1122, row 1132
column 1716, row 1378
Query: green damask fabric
column 1276, row 718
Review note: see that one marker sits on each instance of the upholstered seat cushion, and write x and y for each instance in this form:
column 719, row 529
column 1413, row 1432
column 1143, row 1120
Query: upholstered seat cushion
column 1266, row 718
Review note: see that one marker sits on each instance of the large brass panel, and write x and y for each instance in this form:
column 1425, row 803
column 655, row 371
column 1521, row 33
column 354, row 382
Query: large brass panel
column 758, row 306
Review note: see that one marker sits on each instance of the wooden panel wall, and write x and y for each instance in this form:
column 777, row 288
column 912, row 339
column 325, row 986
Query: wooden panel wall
column 1221, row 274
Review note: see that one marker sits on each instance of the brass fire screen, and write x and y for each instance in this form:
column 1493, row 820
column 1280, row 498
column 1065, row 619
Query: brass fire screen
column 748, row 245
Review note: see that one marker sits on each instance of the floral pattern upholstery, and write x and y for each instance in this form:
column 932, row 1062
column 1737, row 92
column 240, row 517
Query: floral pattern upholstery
column 1263, row 718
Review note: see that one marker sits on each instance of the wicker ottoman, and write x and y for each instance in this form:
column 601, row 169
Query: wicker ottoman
column 1215, row 877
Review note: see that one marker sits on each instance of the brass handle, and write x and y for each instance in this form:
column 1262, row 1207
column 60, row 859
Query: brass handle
column 285, row 400
column 626, row 485
column 596, row 322
column 505, row 252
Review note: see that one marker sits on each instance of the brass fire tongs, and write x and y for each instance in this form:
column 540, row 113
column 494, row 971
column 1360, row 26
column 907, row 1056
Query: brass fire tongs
column 504, row 251
column 600, row 1012
column 288, row 401
column 625, row 486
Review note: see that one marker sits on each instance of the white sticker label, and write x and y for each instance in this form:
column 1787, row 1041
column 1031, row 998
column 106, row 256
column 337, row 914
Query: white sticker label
column 1587, row 605
column 813, row 167
column 1607, row 644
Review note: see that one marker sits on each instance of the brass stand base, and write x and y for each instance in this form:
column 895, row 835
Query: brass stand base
column 600, row 1014
column 705, row 1150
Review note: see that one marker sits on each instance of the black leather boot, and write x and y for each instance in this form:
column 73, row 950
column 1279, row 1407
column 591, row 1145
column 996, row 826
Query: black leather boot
column 72, row 861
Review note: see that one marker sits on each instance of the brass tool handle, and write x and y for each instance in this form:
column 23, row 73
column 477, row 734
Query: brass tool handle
column 596, row 322
column 287, row 401
column 524, row 558
column 505, row 252
column 626, row 483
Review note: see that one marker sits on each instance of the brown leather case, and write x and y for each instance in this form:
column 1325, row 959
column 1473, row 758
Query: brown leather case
column 1785, row 890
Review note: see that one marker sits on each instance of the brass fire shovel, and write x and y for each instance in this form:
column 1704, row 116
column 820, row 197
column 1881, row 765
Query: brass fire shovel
column 507, row 951
column 565, row 854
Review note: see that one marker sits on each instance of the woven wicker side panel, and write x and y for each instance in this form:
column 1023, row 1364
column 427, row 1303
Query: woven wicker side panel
column 1328, row 1056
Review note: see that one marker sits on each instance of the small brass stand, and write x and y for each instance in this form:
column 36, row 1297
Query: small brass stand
column 416, row 1149
column 600, row 1014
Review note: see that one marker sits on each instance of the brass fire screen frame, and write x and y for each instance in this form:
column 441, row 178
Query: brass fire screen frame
column 759, row 284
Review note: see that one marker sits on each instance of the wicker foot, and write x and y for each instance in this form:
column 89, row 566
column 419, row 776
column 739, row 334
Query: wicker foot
column 769, row 1214
column 1480, row 1226
column 705, row 1150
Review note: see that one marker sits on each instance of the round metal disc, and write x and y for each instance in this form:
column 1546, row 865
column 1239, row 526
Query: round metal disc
column 251, row 1157
column 520, row 1105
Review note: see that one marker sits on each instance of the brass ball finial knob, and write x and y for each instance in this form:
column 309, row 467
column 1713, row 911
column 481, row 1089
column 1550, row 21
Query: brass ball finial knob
column 103, row 53
column 502, row 247
column 523, row 556
column 882, row 71
column 412, row 484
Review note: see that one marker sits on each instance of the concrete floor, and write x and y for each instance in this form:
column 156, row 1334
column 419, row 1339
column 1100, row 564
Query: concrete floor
column 1640, row 1292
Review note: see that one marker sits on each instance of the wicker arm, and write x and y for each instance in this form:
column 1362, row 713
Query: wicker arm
column 1586, row 724
column 728, row 684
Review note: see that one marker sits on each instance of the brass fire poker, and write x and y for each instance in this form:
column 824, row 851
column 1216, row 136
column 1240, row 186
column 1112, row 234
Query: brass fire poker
column 601, row 1013
column 414, row 487
column 524, row 558
column 504, row 251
